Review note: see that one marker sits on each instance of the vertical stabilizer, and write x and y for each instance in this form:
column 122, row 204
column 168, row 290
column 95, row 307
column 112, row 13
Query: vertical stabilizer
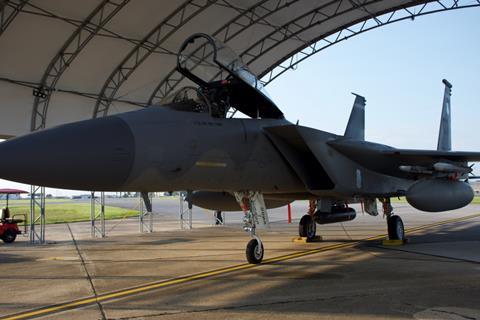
column 356, row 123
column 445, row 133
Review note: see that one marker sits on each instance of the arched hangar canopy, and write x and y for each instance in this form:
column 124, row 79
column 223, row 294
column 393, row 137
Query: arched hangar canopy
column 66, row 60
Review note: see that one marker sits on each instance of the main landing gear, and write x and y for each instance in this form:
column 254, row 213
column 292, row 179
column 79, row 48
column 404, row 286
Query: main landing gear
column 307, row 228
column 396, row 229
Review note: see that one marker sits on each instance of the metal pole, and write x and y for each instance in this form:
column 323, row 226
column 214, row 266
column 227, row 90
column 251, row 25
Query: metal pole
column 102, row 214
column 32, row 214
column 42, row 215
column 145, row 209
column 37, row 236
column 186, row 213
column 97, row 214
column 92, row 214
column 289, row 213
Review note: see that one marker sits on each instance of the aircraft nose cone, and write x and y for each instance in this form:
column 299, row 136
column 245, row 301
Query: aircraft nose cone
column 94, row 155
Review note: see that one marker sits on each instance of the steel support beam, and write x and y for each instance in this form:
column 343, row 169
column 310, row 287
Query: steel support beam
column 291, row 61
column 256, row 14
column 85, row 32
column 146, row 212
column 37, row 215
column 152, row 42
column 8, row 11
column 289, row 30
column 319, row 15
column 97, row 215
column 185, row 215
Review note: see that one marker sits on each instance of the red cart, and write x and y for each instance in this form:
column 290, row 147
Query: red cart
column 9, row 225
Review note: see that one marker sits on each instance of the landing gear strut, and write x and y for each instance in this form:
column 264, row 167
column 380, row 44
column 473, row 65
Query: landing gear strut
column 253, row 206
column 254, row 251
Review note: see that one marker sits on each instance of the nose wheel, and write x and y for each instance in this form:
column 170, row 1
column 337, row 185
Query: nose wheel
column 254, row 251
column 253, row 206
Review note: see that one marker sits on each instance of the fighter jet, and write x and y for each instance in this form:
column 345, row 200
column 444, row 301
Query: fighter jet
column 192, row 141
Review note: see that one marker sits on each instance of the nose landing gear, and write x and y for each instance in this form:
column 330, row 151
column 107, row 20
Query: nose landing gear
column 255, row 211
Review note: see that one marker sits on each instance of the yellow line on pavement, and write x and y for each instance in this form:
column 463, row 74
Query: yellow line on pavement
column 189, row 278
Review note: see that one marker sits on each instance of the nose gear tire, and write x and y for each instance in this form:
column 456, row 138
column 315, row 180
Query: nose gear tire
column 254, row 251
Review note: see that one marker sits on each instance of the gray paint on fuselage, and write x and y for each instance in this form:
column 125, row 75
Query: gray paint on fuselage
column 170, row 145
column 343, row 171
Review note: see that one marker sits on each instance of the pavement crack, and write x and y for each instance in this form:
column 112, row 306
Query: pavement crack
column 454, row 313
column 89, row 278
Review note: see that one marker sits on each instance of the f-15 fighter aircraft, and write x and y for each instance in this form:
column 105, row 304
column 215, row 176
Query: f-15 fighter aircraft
column 192, row 142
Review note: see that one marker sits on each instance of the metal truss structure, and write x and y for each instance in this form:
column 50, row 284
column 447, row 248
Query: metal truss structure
column 258, row 14
column 146, row 212
column 152, row 42
column 97, row 215
column 85, row 32
column 291, row 61
column 244, row 20
column 8, row 11
column 293, row 30
column 185, row 215
column 37, row 215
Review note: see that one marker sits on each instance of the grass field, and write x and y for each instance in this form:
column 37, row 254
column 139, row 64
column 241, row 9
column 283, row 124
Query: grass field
column 73, row 212
column 65, row 210
column 26, row 202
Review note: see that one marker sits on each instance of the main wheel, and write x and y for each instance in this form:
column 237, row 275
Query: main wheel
column 307, row 227
column 9, row 236
column 396, row 230
column 254, row 251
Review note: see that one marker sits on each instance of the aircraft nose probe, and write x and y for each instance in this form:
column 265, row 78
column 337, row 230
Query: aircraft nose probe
column 87, row 155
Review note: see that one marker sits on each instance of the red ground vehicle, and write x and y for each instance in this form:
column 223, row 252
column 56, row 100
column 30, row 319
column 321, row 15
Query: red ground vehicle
column 9, row 225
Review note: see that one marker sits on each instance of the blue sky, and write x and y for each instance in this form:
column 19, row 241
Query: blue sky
column 398, row 68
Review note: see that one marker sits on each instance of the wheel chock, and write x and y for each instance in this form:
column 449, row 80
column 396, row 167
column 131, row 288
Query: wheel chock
column 305, row 239
column 388, row 242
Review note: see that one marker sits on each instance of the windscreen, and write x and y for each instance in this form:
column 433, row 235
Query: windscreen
column 209, row 60
column 232, row 62
column 214, row 66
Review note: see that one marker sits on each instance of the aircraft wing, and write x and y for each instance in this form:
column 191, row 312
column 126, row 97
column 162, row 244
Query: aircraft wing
column 404, row 162
column 415, row 156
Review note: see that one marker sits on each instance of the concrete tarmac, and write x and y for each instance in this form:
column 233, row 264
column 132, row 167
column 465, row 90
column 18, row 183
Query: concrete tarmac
column 168, row 274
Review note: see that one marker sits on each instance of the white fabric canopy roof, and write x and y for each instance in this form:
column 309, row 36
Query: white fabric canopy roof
column 66, row 60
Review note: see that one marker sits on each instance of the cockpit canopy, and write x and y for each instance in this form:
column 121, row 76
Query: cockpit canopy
column 225, row 81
